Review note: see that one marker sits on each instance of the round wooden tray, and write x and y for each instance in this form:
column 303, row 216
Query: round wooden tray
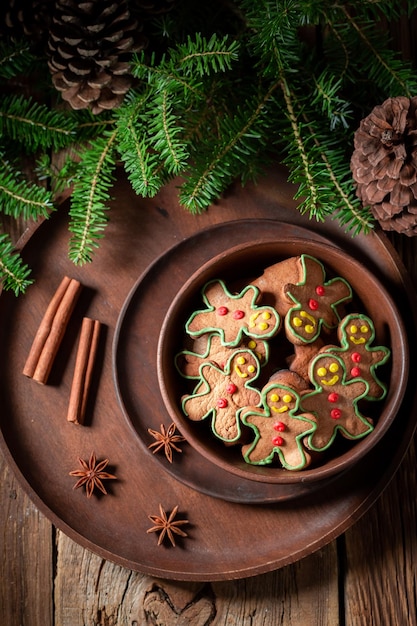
column 227, row 539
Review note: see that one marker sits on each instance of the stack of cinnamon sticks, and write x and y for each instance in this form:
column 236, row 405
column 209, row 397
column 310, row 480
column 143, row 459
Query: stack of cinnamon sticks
column 48, row 339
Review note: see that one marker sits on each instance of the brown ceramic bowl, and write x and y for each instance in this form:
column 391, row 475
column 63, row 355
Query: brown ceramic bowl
column 237, row 267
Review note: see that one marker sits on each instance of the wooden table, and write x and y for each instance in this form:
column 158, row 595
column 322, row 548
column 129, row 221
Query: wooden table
column 365, row 576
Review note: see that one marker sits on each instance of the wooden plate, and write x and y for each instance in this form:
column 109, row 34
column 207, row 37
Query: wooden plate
column 226, row 539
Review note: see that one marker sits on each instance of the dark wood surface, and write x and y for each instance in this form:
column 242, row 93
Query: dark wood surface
column 365, row 576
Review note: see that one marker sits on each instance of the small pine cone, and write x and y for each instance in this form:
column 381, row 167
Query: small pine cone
column 384, row 164
column 26, row 18
column 89, row 49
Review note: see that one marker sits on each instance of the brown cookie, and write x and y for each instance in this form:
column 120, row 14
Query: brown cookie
column 222, row 394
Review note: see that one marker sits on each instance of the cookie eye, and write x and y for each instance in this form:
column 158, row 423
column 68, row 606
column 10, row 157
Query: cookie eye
column 353, row 329
column 251, row 369
column 322, row 371
column 333, row 368
column 241, row 360
column 274, row 397
column 266, row 315
column 364, row 329
column 287, row 398
column 252, row 344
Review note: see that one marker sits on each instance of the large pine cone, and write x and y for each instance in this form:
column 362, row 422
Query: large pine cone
column 89, row 49
column 384, row 164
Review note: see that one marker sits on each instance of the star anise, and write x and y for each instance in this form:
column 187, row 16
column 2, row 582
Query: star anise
column 91, row 475
column 167, row 526
column 165, row 439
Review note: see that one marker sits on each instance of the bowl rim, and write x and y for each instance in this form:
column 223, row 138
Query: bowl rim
column 276, row 474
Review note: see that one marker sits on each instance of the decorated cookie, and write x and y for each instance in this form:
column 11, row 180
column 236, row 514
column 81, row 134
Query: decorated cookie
column 210, row 348
column 315, row 302
column 356, row 335
column 279, row 429
column 334, row 402
column 222, row 394
column 233, row 316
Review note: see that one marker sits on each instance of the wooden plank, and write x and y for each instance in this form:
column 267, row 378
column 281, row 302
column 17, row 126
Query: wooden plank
column 381, row 549
column 105, row 594
column 381, row 552
column 26, row 557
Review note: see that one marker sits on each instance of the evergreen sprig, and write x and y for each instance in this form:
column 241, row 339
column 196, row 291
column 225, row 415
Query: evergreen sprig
column 15, row 58
column 19, row 198
column 14, row 273
column 223, row 89
column 90, row 197
column 35, row 126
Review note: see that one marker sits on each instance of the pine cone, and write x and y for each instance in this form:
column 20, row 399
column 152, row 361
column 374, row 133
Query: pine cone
column 28, row 18
column 384, row 164
column 89, row 49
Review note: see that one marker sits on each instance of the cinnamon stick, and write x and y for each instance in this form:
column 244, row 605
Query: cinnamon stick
column 51, row 330
column 83, row 370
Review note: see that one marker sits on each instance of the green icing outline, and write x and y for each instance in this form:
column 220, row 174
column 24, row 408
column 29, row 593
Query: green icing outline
column 242, row 330
column 345, row 347
column 337, row 427
column 276, row 450
column 333, row 306
column 213, row 411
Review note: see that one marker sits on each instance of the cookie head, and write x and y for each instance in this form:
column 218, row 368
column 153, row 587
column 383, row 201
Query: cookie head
column 327, row 371
column 244, row 367
column 281, row 400
column 359, row 331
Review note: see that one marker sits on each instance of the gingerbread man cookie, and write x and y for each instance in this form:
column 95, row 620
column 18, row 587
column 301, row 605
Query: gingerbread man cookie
column 222, row 394
column 356, row 334
column 233, row 316
column 279, row 428
column 210, row 348
column 316, row 302
column 334, row 402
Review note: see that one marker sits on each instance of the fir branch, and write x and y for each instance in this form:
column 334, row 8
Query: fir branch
column 299, row 158
column 141, row 164
column 14, row 274
column 19, row 198
column 166, row 134
column 34, row 125
column 369, row 51
column 202, row 56
column 88, row 202
column 243, row 138
column 15, row 58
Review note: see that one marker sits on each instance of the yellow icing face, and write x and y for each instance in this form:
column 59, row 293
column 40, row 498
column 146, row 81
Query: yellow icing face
column 280, row 402
column 244, row 367
column 261, row 321
column 304, row 319
column 358, row 333
column 329, row 375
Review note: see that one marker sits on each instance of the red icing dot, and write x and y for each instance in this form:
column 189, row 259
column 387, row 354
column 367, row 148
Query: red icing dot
column 222, row 403
column 333, row 397
column 355, row 371
column 277, row 441
column 222, row 310
column 237, row 315
column 279, row 426
column 320, row 290
column 231, row 388
column 356, row 357
column 313, row 304
column 335, row 414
